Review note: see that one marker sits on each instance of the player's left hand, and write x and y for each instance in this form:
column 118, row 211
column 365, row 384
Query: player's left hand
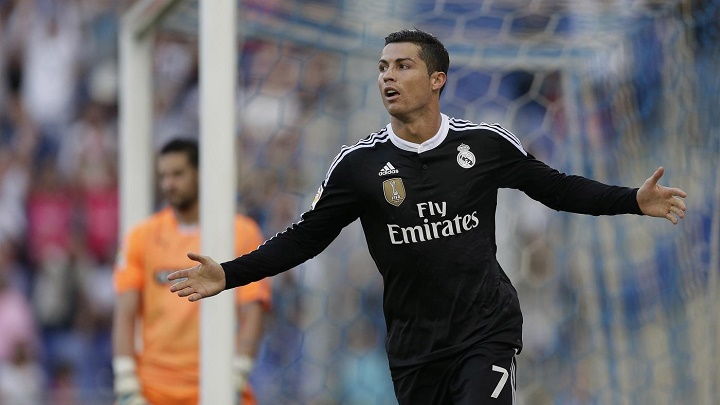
column 662, row 202
column 242, row 366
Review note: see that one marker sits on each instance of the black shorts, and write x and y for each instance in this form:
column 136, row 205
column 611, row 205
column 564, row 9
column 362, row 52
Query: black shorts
column 481, row 375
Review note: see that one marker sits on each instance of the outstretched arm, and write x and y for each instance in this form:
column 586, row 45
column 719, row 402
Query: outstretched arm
column 662, row 202
column 202, row 281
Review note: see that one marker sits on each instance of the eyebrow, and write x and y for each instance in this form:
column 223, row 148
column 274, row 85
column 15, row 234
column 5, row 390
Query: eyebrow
column 398, row 60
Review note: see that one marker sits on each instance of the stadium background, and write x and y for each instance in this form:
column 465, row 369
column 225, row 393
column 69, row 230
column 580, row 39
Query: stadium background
column 619, row 310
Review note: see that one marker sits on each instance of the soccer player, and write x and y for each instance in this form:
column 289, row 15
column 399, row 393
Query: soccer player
column 165, row 370
column 425, row 190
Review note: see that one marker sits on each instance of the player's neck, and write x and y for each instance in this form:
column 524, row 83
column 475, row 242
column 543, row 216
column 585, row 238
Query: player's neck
column 188, row 216
column 417, row 128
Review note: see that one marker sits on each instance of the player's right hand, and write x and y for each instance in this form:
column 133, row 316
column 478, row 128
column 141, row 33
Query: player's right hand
column 126, row 384
column 202, row 281
column 131, row 399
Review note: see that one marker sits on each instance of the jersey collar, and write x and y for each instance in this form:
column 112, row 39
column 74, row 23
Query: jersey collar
column 431, row 143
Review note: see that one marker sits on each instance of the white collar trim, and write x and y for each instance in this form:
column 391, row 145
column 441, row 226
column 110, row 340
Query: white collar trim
column 431, row 143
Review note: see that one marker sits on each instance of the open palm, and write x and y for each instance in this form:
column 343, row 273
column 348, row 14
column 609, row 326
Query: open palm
column 658, row 201
column 202, row 281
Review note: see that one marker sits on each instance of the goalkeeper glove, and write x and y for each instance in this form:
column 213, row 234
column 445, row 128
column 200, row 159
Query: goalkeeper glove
column 126, row 384
column 242, row 365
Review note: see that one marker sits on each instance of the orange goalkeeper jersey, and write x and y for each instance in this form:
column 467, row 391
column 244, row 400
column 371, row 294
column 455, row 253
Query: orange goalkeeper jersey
column 170, row 324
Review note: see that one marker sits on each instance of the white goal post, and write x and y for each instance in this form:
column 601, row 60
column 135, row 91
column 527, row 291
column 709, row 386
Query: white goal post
column 217, row 175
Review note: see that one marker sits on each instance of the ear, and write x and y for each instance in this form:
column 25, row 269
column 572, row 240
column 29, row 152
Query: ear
column 437, row 80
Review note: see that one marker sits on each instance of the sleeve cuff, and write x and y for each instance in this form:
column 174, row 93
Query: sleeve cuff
column 232, row 275
column 635, row 207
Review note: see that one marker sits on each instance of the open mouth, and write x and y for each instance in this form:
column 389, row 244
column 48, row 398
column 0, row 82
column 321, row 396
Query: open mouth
column 391, row 94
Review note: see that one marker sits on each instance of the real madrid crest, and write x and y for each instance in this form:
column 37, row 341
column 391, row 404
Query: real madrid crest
column 465, row 158
column 394, row 191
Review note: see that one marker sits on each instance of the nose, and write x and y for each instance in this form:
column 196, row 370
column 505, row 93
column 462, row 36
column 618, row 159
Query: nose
column 388, row 75
column 166, row 183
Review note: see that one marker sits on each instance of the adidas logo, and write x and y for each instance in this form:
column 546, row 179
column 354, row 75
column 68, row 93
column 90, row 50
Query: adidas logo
column 387, row 169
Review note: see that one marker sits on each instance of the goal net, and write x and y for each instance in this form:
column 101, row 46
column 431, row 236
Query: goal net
column 618, row 310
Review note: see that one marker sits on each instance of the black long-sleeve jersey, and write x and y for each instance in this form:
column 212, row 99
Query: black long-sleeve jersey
column 428, row 214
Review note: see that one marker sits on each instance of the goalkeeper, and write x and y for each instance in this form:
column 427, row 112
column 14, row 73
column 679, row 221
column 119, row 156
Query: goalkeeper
column 425, row 190
column 165, row 370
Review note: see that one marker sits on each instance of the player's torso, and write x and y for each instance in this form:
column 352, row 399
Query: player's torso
column 429, row 219
column 170, row 323
column 416, row 197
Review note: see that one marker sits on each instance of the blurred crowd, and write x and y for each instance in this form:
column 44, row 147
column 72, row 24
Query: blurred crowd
column 58, row 199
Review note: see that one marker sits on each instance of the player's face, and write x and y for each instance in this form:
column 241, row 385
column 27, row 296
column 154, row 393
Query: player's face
column 178, row 180
column 405, row 84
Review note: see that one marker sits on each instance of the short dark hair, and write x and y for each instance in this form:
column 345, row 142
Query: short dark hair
column 182, row 145
column 432, row 51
